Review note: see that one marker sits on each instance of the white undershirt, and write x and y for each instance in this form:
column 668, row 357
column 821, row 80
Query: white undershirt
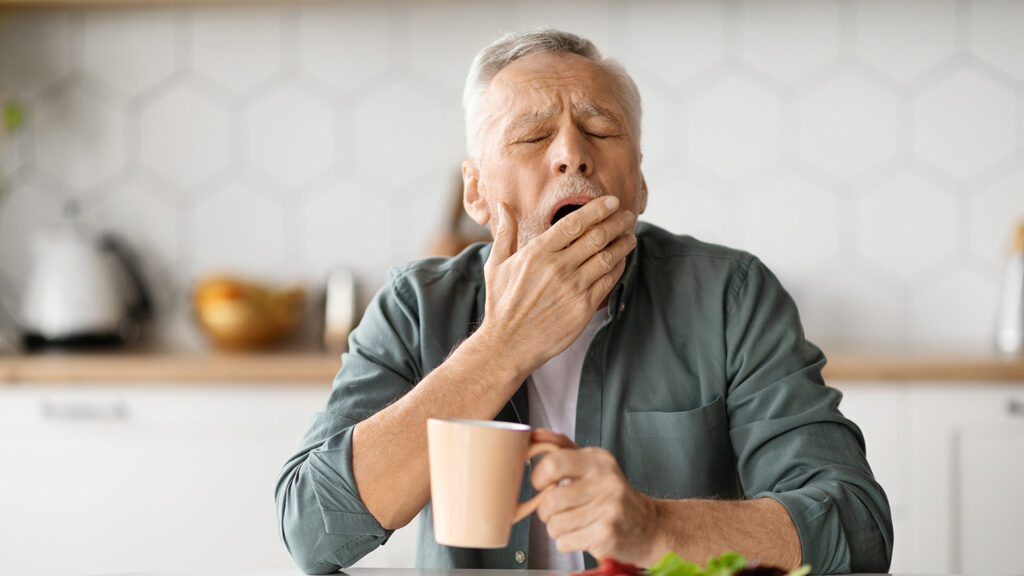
column 553, row 390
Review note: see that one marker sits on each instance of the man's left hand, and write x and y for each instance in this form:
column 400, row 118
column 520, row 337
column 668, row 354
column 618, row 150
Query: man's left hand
column 592, row 507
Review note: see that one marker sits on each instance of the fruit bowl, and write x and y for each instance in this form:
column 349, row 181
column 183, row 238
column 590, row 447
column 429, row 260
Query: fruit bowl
column 241, row 315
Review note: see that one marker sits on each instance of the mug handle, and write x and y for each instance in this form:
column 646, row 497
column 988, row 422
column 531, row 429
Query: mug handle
column 524, row 509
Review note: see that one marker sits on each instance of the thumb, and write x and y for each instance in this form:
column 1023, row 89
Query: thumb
column 541, row 435
column 505, row 234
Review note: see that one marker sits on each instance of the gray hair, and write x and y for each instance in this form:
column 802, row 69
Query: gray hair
column 515, row 45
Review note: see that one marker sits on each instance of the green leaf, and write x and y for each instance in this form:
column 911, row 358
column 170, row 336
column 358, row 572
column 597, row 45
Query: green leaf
column 672, row 565
column 14, row 116
column 726, row 564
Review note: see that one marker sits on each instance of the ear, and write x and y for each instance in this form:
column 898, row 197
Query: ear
column 473, row 199
column 641, row 202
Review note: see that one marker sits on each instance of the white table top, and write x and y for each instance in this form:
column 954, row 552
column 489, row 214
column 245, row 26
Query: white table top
column 369, row 572
column 349, row 572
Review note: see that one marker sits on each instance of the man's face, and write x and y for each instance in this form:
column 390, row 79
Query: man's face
column 553, row 134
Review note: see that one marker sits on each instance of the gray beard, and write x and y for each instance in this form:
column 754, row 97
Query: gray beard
column 533, row 225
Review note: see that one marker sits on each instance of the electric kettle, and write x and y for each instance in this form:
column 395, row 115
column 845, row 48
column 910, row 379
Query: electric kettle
column 82, row 292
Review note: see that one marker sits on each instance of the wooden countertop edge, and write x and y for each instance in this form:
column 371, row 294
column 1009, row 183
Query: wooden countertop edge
column 320, row 368
column 851, row 368
column 246, row 369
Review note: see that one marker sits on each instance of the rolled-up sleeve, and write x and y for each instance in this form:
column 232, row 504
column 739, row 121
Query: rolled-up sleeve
column 791, row 441
column 322, row 520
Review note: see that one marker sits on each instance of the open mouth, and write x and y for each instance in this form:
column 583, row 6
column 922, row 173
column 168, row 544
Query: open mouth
column 565, row 211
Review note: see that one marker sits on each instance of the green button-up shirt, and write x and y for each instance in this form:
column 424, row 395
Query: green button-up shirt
column 699, row 381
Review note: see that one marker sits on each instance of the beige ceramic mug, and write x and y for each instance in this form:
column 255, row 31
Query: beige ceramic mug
column 476, row 468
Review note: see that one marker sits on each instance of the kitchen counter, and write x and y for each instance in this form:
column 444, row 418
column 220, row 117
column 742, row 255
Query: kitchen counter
column 242, row 368
column 929, row 366
column 318, row 368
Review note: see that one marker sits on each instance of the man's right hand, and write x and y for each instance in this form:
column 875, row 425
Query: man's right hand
column 540, row 297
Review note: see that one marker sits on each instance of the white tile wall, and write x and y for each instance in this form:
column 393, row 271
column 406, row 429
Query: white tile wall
column 734, row 128
column 907, row 226
column 292, row 136
column 150, row 59
column 804, row 238
column 688, row 35
column 788, row 39
column 872, row 153
column 183, row 137
column 79, row 138
column 237, row 49
column 963, row 125
column 851, row 125
column 35, row 50
column 996, row 36
column 883, row 43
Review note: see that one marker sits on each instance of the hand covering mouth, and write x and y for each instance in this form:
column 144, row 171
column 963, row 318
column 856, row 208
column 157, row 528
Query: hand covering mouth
column 568, row 206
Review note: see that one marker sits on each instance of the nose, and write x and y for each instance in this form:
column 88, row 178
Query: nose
column 571, row 154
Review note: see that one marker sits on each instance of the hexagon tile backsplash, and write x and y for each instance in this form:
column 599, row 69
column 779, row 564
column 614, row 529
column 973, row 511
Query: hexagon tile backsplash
column 872, row 153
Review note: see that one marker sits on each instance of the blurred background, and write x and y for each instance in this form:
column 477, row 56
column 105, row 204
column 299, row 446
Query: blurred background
column 263, row 164
column 869, row 152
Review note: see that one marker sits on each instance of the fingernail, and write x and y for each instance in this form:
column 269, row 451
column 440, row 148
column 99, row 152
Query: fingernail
column 611, row 202
column 501, row 216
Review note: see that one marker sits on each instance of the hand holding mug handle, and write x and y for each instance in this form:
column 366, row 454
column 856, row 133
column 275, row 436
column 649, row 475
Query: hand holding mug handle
column 526, row 508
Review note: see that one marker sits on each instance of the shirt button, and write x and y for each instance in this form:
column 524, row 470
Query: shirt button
column 520, row 556
column 622, row 307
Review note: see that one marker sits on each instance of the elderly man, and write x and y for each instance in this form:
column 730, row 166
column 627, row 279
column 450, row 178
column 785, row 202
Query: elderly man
column 677, row 370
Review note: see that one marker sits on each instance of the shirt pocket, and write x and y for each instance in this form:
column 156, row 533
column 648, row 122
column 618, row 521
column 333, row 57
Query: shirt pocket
column 681, row 454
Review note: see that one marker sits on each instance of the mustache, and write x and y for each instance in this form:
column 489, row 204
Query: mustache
column 568, row 187
column 532, row 225
column 576, row 185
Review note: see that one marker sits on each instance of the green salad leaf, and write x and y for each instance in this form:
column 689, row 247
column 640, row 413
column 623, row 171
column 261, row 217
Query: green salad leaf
column 672, row 565
column 727, row 564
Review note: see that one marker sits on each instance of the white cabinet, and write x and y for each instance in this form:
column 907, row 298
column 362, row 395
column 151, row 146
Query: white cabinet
column 989, row 505
column 125, row 478
column 956, row 429
column 122, row 478
column 951, row 458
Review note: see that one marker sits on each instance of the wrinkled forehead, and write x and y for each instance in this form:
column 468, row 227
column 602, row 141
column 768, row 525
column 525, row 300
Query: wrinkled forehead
column 544, row 81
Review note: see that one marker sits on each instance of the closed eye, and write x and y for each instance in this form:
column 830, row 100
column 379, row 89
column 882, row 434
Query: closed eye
column 533, row 140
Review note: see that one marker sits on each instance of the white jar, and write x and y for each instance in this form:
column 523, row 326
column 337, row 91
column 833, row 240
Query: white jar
column 1010, row 323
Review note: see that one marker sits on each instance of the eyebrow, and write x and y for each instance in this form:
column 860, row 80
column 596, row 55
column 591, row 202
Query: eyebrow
column 590, row 109
column 584, row 108
column 534, row 117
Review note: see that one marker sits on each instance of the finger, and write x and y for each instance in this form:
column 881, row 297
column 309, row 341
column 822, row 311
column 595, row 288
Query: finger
column 604, row 285
column 568, row 229
column 585, row 539
column 566, row 498
column 542, row 435
column 600, row 236
column 606, row 260
column 505, row 234
column 571, row 464
column 572, row 520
